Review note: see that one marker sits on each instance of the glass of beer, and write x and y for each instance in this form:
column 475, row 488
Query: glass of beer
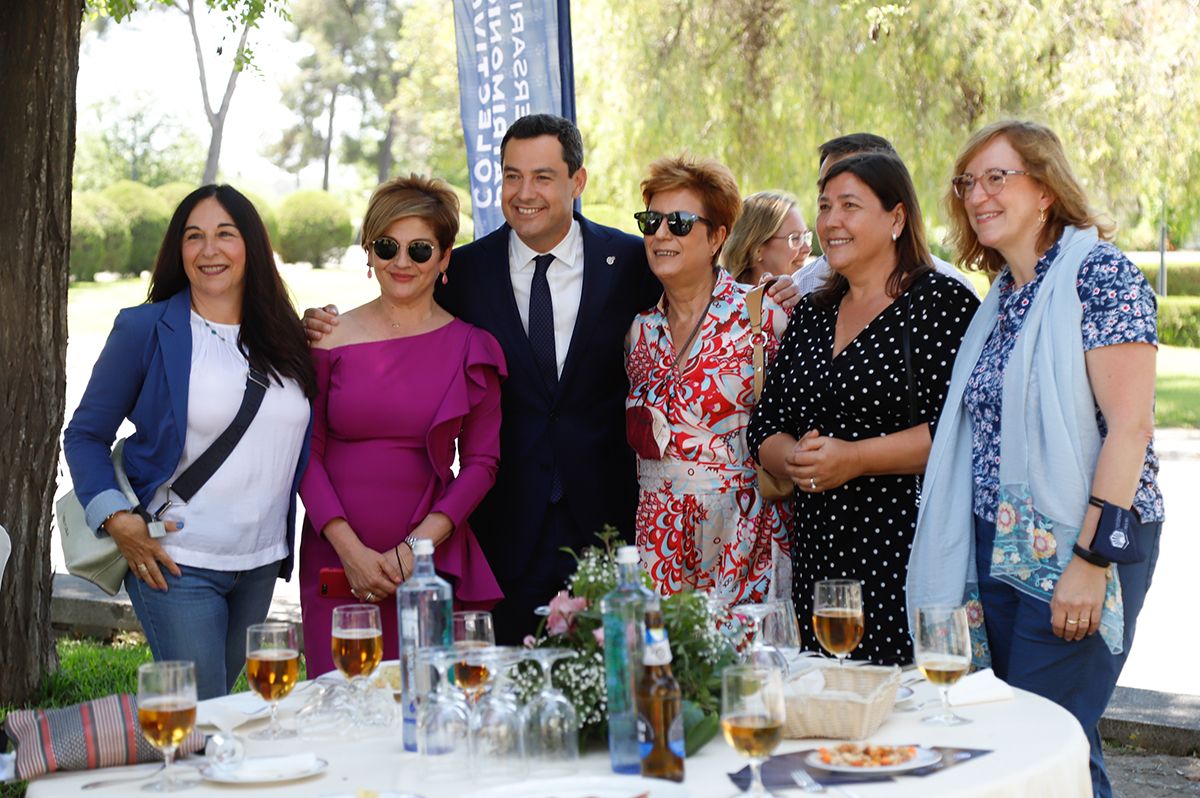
column 838, row 615
column 167, row 713
column 752, row 715
column 272, row 668
column 473, row 631
column 943, row 650
column 357, row 642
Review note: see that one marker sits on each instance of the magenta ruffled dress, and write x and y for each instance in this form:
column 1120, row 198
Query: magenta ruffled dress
column 385, row 423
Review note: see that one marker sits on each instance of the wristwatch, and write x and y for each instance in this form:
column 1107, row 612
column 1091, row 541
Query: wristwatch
column 411, row 542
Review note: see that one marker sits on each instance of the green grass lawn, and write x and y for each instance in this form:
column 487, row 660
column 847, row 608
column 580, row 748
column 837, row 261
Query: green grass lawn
column 1178, row 397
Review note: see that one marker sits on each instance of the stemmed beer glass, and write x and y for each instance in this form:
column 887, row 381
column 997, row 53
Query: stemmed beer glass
column 272, row 668
column 167, row 714
column 357, row 642
column 760, row 651
column 551, row 725
column 942, row 644
column 752, row 716
column 473, row 631
column 838, row 616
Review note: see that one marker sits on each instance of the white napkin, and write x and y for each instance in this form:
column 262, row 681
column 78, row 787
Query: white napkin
column 805, row 682
column 8, row 767
column 979, row 688
column 266, row 768
column 229, row 712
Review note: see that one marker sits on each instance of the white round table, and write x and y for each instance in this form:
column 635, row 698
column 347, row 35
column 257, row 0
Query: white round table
column 1038, row 749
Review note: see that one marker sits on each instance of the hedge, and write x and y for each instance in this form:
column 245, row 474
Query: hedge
column 268, row 215
column 173, row 193
column 314, row 227
column 1183, row 279
column 117, row 238
column 1179, row 320
column 87, row 243
column 148, row 217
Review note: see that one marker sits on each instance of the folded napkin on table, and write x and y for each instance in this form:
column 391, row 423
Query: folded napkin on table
column 265, row 768
column 805, row 682
column 979, row 688
column 95, row 734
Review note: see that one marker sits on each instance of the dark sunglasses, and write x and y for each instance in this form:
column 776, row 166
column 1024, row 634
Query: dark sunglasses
column 680, row 223
column 387, row 248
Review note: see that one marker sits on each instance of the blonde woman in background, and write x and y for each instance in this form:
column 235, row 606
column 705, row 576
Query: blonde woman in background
column 768, row 240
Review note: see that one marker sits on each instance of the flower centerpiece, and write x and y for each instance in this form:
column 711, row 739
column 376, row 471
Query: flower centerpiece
column 699, row 651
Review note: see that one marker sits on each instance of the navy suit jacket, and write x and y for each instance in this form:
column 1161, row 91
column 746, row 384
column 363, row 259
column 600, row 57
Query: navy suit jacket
column 142, row 374
column 580, row 427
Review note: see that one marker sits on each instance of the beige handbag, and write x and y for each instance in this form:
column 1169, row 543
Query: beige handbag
column 89, row 556
column 771, row 487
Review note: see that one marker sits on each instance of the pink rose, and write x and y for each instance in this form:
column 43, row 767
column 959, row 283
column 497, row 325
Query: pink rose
column 598, row 633
column 562, row 612
column 529, row 641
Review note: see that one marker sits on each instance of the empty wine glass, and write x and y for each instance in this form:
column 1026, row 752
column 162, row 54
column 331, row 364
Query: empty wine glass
column 942, row 643
column 497, row 724
column 167, row 714
column 838, row 616
column 443, row 719
column 760, row 652
column 473, row 630
column 551, row 724
column 272, row 668
column 752, row 716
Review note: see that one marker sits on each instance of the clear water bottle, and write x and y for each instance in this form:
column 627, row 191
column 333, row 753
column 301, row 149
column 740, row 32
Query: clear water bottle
column 624, row 613
column 425, row 609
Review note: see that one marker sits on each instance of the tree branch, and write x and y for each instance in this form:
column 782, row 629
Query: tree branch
column 190, row 11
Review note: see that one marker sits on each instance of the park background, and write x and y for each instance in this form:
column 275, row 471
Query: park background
column 336, row 95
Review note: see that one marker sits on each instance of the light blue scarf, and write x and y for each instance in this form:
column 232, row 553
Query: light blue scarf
column 1049, row 442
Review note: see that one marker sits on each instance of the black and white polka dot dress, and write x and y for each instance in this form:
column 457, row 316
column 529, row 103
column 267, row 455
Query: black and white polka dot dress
column 862, row 530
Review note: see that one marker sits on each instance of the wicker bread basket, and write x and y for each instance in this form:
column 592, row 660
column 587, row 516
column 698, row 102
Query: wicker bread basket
column 852, row 705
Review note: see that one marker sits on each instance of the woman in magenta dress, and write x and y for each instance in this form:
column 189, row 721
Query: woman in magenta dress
column 400, row 383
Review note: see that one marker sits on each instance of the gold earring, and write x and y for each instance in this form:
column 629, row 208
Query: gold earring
column 1042, row 216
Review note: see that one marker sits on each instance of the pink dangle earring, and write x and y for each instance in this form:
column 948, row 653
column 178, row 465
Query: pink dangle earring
column 445, row 279
column 368, row 270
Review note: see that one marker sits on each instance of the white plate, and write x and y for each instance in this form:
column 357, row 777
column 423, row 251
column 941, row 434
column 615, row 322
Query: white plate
column 924, row 758
column 211, row 773
column 586, row 787
column 903, row 693
column 379, row 793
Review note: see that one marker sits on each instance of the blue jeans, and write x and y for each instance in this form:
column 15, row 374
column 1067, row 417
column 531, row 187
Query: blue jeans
column 203, row 617
column 1078, row 676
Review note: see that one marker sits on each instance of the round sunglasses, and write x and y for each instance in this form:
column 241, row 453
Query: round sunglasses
column 680, row 223
column 387, row 248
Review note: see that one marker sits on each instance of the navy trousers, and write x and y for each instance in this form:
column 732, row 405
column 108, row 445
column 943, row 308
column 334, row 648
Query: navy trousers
column 1078, row 676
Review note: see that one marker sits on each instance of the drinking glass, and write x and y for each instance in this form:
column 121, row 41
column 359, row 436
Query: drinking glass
column 551, row 725
column 759, row 652
column 752, row 715
column 272, row 668
column 473, row 630
column 357, row 642
column 167, row 714
column 943, row 650
column 838, row 616
column 497, row 727
column 443, row 719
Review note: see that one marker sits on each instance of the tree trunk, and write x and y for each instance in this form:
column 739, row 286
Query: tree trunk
column 384, row 162
column 214, row 149
column 333, row 94
column 39, row 58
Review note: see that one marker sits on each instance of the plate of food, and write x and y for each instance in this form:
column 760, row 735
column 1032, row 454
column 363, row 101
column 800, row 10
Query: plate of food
column 861, row 758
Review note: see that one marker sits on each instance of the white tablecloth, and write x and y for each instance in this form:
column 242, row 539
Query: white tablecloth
column 1038, row 749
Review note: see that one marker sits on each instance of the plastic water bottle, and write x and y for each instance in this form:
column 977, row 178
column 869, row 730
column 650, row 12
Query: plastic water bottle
column 624, row 613
column 425, row 609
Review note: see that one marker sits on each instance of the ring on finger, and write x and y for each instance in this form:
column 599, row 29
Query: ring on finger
column 142, row 568
column 369, row 597
column 1072, row 622
column 812, row 483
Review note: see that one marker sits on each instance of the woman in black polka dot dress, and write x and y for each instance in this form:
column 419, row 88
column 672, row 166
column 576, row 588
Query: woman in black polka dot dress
column 842, row 414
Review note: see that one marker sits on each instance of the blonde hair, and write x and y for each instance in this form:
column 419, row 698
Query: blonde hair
column 428, row 198
column 762, row 215
column 710, row 180
column 1044, row 160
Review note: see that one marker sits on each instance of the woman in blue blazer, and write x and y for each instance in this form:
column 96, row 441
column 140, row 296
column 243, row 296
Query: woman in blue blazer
column 176, row 367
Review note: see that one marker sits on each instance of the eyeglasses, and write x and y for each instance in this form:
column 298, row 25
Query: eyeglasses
column 680, row 223
column 387, row 248
column 992, row 181
column 796, row 240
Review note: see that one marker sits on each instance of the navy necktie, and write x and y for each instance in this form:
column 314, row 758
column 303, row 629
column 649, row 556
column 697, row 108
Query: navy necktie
column 541, row 321
column 541, row 336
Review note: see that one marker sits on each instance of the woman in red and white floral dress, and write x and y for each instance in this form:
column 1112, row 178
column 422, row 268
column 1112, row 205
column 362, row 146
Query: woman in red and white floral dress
column 701, row 523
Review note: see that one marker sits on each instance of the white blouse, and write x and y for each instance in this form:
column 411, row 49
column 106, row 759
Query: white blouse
column 237, row 520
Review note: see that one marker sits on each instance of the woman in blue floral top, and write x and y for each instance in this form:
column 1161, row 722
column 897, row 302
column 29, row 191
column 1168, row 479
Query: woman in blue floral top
column 1050, row 416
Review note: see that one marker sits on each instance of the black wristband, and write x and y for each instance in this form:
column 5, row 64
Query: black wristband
column 1096, row 502
column 398, row 562
column 1090, row 556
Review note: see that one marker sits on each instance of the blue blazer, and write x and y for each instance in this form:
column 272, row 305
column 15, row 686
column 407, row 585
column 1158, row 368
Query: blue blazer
column 142, row 374
column 578, row 427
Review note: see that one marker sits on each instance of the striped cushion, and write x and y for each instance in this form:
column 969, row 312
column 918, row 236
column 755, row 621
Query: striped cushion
column 95, row 734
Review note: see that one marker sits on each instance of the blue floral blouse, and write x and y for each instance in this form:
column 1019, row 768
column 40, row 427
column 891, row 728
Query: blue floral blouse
column 1119, row 307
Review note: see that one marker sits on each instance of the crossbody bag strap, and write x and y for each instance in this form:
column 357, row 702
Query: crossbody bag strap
column 204, row 466
column 754, row 306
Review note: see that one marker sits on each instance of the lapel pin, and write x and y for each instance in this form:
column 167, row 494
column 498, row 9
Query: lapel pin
column 611, row 260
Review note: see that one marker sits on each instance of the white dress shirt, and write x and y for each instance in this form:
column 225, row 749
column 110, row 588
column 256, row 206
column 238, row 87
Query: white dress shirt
column 812, row 276
column 565, row 276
